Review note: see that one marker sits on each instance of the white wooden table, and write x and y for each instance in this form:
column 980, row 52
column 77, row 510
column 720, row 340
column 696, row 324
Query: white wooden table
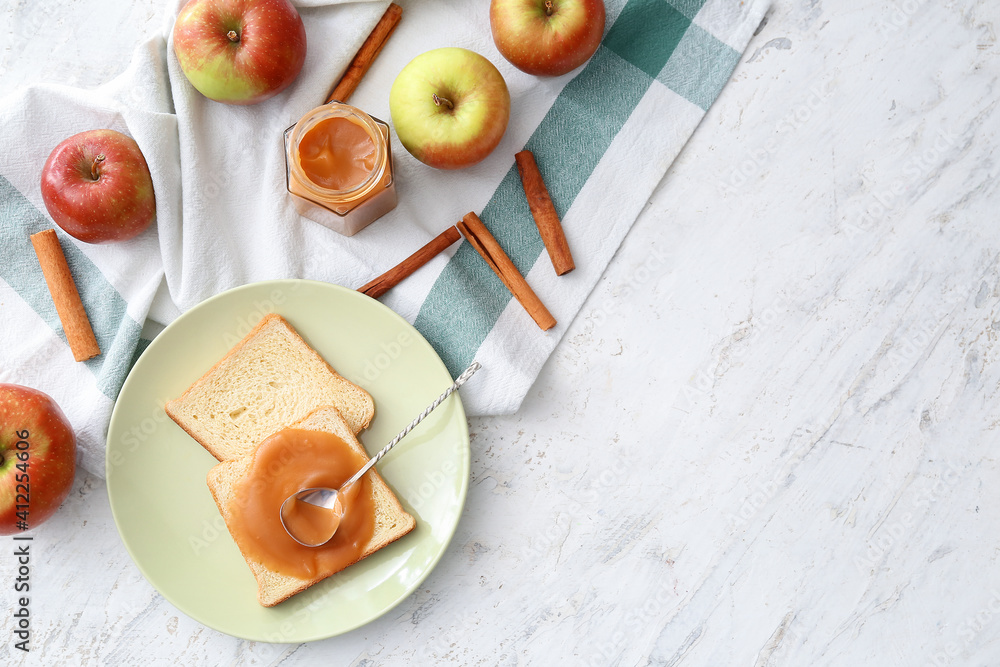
column 771, row 436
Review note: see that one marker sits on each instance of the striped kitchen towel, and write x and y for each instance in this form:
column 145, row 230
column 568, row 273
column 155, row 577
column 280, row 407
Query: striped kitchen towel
column 603, row 136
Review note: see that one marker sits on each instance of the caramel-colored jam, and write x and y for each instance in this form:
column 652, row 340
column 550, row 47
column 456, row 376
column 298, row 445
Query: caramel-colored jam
column 287, row 462
column 337, row 154
column 338, row 167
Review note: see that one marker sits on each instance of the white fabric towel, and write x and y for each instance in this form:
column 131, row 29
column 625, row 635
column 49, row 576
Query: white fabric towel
column 603, row 136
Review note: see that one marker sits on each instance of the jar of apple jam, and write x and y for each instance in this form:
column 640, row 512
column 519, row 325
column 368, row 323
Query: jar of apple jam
column 338, row 167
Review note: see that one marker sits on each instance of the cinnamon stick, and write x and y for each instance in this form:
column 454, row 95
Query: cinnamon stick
column 74, row 320
column 479, row 237
column 366, row 54
column 395, row 275
column 544, row 213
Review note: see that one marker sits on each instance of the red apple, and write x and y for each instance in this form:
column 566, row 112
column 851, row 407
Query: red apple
column 96, row 186
column 240, row 51
column 547, row 37
column 449, row 107
column 37, row 458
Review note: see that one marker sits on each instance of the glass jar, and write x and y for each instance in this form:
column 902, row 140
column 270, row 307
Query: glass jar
column 346, row 207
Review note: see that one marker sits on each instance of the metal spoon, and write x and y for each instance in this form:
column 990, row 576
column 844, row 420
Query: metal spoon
column 330, row 498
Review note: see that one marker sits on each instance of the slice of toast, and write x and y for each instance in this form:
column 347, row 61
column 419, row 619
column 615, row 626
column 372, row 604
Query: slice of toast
column 391, row 520
column 269, row 380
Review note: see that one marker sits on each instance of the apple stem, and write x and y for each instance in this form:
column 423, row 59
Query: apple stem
column 443, row 102
column 233, row 36
column 95, row 173
column 548, row 7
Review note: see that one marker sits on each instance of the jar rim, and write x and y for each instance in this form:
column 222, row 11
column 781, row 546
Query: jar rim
column 296, row 132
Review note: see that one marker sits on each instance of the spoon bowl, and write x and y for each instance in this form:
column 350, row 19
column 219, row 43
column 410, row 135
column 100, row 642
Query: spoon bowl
column 311, row 516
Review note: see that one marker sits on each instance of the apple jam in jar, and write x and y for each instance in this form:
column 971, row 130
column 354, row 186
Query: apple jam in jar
column 338, row 167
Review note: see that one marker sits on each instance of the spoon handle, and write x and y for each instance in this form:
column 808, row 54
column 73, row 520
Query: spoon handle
column 466, row 374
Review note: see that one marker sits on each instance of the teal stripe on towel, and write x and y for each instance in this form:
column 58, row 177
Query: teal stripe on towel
column 646, row 34
column 467, row 298
column 688, row 8
column 700, row 67
column 117, row 334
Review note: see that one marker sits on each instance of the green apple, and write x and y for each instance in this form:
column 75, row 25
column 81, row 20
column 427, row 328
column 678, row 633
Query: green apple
column 449, row 107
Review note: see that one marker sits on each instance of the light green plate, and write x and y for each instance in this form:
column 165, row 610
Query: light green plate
column 156, row 472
